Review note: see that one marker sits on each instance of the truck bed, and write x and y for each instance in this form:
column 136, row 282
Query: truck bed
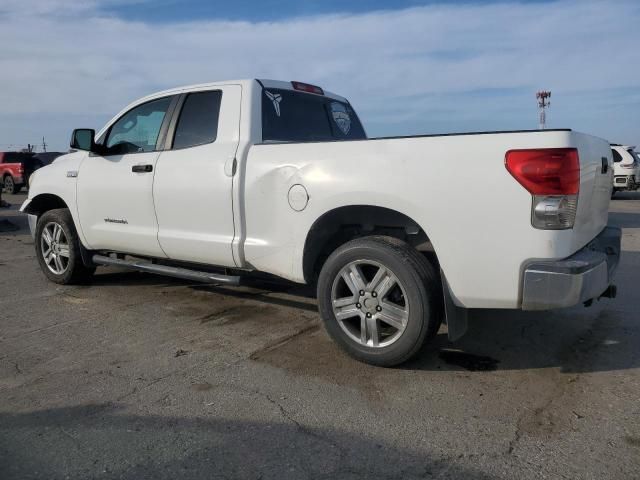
column 454, row 186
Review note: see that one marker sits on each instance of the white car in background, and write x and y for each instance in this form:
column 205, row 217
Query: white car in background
column 626, row 168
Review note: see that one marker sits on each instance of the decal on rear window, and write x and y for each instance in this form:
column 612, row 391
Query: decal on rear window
column 341, row 117
column 275, row 98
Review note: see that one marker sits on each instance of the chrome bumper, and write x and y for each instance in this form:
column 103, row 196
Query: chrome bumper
column 583, row 276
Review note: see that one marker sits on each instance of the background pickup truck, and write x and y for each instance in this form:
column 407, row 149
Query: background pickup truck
column 214, row 181
column 15, row 169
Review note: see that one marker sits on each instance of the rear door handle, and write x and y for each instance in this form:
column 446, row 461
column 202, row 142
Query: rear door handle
column 142, row 168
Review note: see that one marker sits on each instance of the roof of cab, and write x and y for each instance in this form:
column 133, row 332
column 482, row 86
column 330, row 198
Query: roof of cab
column 204, row 86
column 267, row 83
column 625, row 147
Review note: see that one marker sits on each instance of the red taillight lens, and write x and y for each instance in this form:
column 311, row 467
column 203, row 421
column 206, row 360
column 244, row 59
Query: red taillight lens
column 546, row 171
column 305, row 87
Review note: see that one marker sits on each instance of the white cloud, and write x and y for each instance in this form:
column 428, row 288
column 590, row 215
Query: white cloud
column 61, row 57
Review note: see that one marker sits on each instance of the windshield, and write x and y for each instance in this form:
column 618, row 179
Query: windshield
column 290, row 116
column 634, row 155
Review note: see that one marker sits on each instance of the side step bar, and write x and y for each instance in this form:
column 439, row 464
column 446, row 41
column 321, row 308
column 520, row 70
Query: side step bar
column 168, row 271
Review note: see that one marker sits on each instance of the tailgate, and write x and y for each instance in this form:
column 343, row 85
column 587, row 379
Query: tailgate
column 596, row 183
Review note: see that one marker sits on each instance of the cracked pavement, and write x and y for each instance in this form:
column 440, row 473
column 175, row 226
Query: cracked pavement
column 137, row 376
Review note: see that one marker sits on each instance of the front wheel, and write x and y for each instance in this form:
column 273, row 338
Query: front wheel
column 58, row 248
column 380, row 299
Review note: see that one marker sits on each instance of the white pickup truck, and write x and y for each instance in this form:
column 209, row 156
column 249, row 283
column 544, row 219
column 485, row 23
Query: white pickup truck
column 213, row 182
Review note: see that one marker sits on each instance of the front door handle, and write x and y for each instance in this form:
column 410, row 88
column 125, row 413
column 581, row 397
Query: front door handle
column 142, row 168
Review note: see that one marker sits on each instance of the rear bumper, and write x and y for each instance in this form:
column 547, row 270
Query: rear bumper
column 583, row 276
column 624, row 181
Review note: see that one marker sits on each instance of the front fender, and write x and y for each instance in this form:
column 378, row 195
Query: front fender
column 54, row 186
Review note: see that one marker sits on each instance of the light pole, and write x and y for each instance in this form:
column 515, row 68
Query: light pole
column 543, row 97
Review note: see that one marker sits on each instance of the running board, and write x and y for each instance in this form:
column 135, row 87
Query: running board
column 183, row 273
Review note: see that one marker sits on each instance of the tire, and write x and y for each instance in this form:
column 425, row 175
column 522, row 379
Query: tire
column 10, row 186
column 414, row 301
column 61, row 238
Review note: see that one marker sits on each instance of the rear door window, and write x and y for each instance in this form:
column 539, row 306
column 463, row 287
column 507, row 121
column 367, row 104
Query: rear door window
column 198, row 121
column 291, row 116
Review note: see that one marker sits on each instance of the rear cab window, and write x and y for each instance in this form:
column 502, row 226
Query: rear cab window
column 293, row 116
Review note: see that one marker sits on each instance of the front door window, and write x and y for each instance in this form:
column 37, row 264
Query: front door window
column 138, row 129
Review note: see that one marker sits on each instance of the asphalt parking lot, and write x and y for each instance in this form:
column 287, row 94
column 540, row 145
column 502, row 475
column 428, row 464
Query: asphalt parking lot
column 139, row 376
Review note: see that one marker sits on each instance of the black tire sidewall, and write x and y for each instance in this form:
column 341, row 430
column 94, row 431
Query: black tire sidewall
column 420, row 310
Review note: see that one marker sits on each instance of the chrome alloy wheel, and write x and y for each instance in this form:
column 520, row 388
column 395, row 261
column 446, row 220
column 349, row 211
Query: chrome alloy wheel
column 370, row 303
column 55, row 248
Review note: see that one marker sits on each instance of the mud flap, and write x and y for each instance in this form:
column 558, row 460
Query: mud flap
column 86, row 256
column 456, row 317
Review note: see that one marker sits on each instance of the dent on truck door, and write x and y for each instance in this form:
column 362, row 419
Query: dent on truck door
column 115, row 189
column 192, row 188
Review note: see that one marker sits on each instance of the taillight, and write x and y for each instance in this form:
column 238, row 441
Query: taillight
column 552, row 176
column 20, row 168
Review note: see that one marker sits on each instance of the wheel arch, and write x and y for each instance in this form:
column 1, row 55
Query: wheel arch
column 43, row 203
column 341, row 224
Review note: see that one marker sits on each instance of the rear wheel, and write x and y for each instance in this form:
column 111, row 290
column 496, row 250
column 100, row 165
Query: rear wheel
column 58, row 248
column 380, row 299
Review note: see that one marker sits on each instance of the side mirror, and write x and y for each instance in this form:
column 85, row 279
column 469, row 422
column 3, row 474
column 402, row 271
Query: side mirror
column 83, row 139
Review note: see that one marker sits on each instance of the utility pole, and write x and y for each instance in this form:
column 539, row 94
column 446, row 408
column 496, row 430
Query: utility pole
column 543, row 97
column 44, row 145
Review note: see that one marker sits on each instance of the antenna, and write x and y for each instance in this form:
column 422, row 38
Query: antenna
column 543, row 97
column 44, row 145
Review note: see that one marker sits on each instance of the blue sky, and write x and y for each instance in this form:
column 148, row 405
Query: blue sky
column 265, row 10
column 408, row 66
